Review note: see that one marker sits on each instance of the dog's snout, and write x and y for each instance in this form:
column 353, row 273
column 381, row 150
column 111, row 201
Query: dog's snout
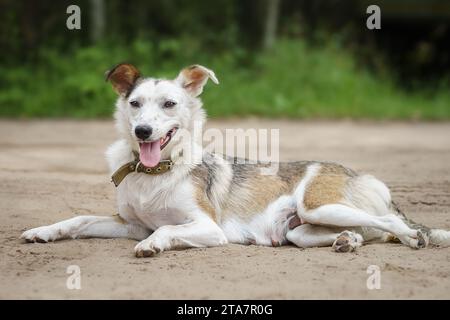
column 143, row 132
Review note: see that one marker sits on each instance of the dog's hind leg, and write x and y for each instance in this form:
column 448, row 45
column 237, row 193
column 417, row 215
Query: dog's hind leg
column 344, row 216
column 87, row 227
column 308, row 235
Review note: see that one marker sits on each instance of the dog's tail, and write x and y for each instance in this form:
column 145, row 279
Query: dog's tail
column 437, row 237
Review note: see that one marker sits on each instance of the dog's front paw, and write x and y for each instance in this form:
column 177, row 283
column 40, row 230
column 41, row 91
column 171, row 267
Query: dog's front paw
column 41, row 234
column 148, row 247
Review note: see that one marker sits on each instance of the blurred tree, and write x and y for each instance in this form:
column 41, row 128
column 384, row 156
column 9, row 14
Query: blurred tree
column 28, row 22
column 270, row 30
column 97, row 29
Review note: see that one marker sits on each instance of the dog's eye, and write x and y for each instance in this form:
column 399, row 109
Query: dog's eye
column 135, row 104
column 169, row 104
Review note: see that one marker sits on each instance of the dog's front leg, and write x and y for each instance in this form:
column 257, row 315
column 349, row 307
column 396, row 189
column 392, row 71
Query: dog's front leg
column 195, row 234
column 87, row 227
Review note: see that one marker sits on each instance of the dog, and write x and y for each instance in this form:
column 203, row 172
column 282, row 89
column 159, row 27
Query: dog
column 166, row 202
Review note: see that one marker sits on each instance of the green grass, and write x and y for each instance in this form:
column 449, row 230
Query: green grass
column 294, row 80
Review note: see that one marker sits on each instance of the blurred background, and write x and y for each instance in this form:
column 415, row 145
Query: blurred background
column 274, row 58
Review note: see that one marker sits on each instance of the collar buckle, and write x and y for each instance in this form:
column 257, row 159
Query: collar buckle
column 137, row 166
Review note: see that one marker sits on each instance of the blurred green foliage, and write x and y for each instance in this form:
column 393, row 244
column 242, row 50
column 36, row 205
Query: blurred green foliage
column 312, row 71
column 292, row 80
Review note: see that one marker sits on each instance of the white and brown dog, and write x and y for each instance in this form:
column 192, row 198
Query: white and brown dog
column 167, row 202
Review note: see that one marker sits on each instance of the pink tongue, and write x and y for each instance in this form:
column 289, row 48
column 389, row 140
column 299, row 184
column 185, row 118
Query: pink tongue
column 150, row 153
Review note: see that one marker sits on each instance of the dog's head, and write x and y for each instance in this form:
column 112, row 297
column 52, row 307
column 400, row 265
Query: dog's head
column 150, row 111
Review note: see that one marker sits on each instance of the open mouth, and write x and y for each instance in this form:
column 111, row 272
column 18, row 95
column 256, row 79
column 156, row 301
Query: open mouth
column 150, row 152
column 164, row 141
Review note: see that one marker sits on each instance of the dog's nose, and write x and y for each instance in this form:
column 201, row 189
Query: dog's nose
column 143, row 132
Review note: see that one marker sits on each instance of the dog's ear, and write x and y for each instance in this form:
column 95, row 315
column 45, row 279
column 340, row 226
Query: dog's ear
column 123, row 77
column 193, row 79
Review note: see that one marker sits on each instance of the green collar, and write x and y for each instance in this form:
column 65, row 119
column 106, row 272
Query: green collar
column 136, row 166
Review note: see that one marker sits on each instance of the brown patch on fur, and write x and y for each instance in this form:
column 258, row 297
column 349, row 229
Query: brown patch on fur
column 123, row 77
column 193, row 73
column 253, row 196
column 263, row 190
column 334, row 168
column 389, row 237
column 251, row 192
column 203, row 179
column 194, row 76
column 292, row 172
column 200, row 180
column 327, row 186
column 203, row 202
column 119, row 219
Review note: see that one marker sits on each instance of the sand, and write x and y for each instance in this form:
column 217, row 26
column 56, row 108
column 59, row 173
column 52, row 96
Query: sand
column 54, row 170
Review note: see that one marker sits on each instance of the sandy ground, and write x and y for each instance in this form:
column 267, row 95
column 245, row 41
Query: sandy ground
column 54, row 170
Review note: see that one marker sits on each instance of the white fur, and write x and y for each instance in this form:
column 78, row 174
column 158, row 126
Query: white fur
column 220, row 189
column 440, row 237
column 369, row 194
column 87, row 226
column 345, row 216
column 267, row 228
column 308, row 235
